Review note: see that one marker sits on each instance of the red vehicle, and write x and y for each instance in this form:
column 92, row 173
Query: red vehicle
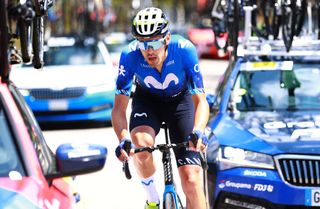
column 204, row 39
column 31, row 175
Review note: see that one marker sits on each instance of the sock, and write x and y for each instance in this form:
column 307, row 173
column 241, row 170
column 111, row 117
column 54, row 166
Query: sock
column 151, row 190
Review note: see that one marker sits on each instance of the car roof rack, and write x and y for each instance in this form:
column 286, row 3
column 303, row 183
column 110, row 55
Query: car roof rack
column 252, row 45
column 260, row 47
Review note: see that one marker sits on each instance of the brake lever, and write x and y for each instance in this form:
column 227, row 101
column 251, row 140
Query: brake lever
column 125, row 166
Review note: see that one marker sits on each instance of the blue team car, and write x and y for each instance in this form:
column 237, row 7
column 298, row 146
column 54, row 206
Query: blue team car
column 77, row 82
column 264, row 130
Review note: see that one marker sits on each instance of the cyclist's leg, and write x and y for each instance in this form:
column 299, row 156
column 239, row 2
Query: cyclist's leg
column 144, row 126
column 189, row 163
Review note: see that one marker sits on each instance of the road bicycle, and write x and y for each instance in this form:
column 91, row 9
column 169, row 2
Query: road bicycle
column 225, row 23
column 287, row 16
column 26, row 22
column 171, row 199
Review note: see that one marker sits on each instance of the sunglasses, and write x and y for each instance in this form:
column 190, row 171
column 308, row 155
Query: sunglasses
column 154, row 45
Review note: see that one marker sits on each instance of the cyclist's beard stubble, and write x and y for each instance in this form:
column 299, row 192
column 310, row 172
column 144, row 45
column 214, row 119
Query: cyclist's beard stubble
column 155, row 59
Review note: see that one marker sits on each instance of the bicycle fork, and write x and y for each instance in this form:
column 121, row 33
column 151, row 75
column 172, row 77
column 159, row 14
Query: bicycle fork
column 169, row 189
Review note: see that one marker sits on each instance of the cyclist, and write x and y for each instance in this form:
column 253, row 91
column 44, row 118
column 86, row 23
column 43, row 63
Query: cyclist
column 169, row 88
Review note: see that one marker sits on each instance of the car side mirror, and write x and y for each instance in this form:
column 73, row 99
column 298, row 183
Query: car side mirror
column 211, row 99
column 76, row 159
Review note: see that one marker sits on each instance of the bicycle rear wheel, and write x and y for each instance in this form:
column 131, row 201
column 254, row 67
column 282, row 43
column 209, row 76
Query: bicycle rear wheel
column 318, row 17
column 271, row 18
column 233, row 15
column 289, row 22
column 25, row 40
column 277, row 19
column 37, row 41
column 301, row 10
column 4, row 39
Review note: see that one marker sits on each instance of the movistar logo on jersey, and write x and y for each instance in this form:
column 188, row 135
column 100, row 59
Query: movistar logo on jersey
column 122, row 71
column 152, row 82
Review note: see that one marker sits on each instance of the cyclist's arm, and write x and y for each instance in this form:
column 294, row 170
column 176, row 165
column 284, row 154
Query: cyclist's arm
column 201, row 111
column 119, row 118
column 121, row 100
column 196, row 87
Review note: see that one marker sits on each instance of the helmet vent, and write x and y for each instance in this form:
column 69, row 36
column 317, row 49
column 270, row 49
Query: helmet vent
column 150, row 22
column 140, row 27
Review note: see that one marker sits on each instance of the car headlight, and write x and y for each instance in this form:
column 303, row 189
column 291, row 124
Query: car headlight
column 100, row 88
column 24, row 92
column 230, row 157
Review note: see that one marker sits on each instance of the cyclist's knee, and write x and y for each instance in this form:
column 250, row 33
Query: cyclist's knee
column 143, row 136
column 190, row 179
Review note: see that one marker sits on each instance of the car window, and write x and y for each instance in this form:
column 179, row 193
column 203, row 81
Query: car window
column 10, row 163
column 73, row 55
column 117, row 47
column 295, row 89
column 45, row 155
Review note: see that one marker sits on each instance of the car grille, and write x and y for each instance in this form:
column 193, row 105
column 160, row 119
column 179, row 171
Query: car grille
column 66, row 93
column 299, row 170
column 227, row 200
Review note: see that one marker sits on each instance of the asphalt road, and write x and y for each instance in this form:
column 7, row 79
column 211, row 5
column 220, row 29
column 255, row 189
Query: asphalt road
column 108, row 188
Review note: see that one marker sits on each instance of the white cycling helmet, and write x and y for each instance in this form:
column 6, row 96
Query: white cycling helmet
column 150, row 22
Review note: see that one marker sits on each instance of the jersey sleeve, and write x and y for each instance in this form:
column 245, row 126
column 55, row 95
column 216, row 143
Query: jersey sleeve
column 190, row 60
column 125, row 74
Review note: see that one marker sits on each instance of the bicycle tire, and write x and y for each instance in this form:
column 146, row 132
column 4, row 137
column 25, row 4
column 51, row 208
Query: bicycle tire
column 318, row 19
column 233, row 25
column 25, row 40
column 269, row 16
column 289, row 22
column 169, row 202
column 37, row 41
column 301, row 13
column 276, row 22
column 4, row 39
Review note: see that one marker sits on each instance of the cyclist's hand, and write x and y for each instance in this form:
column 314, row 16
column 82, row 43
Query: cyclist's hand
column 124, row 150
column 197, row 141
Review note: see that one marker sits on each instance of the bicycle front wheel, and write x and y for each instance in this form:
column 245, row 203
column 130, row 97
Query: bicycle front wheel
column 37, row 41
column 289, row 22
column 4, row 37
column 171, row 203
column 25, row 37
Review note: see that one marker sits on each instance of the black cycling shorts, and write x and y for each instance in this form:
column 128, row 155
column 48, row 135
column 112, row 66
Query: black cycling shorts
column 177, row 113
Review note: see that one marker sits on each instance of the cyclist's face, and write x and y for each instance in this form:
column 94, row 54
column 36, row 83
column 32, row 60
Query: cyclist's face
column 154, row 49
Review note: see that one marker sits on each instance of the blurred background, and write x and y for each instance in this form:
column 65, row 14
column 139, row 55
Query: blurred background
column 99, row 17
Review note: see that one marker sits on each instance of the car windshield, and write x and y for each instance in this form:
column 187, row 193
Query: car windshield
column 116, row 47
column 73, row 55
column 10, row 164
column 291, row 89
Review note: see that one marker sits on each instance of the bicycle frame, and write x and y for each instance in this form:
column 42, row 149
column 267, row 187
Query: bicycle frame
column 168, row 174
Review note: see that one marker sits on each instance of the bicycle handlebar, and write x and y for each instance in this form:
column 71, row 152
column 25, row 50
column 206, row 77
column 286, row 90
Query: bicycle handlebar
column 161, row 148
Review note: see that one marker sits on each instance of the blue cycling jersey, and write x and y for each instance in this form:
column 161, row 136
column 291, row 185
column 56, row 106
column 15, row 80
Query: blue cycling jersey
column 180, row 70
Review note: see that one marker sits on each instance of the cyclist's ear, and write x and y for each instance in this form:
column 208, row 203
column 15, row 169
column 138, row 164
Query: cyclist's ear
column 167, row 39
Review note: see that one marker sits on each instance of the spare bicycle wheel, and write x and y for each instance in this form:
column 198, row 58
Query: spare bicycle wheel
column 288, row 22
